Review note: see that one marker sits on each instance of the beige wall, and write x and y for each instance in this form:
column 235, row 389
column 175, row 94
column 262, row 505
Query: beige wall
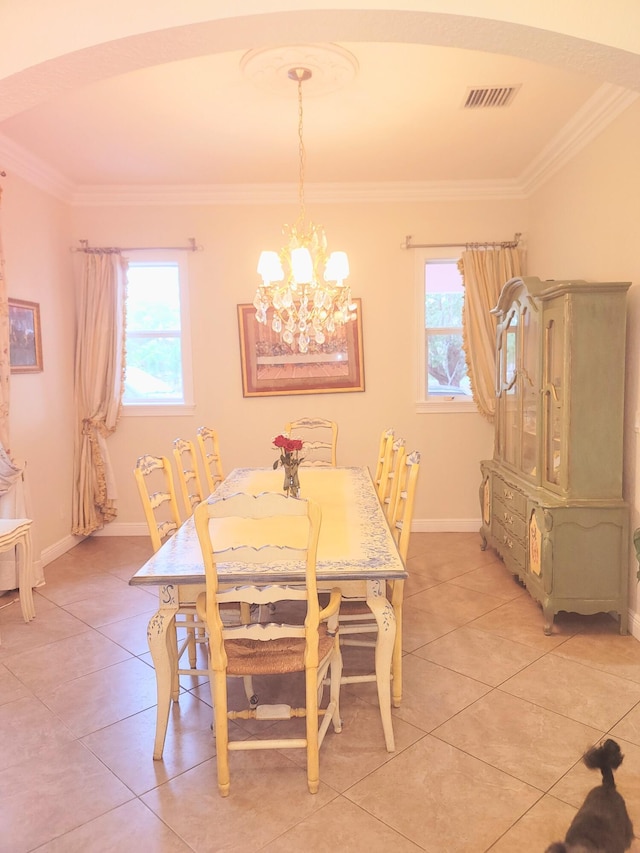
column 584, row 224
column 35, row 232
column 382, row 274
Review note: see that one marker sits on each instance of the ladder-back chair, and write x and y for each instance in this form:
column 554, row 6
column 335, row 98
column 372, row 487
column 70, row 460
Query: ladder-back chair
column 184, row 454
column 156, row 489
column 319, row 441
column 276, row 529
column 207, row 439
column 355, row 616
column 384, row 456
column 388, row 475
column 157, row 493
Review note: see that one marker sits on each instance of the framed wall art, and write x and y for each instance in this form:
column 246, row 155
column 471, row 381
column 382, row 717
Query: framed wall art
column 25, row 342
column 270, row 367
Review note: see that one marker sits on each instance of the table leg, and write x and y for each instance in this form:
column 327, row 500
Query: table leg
column 386, row 622
column 161, row 639
column 397, row 597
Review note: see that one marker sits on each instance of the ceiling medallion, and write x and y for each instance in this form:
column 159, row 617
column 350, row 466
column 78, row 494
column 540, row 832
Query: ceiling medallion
column 332, row 67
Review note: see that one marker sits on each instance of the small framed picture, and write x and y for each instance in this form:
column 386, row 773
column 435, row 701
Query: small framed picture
column 25, row 342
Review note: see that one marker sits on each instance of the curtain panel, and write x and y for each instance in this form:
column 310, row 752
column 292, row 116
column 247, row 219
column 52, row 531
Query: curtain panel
column 484, row 272
column 99, row 385
column 5, row 361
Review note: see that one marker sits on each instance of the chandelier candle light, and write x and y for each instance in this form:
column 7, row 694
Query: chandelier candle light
column 290, row 460
column 302, row 286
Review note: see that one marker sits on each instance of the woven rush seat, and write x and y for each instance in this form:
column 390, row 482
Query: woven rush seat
column 356, row 607
column 273, row 657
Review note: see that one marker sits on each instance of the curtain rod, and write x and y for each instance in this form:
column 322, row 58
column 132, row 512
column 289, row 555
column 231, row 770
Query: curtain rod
column 96, row 250
column 508, row 244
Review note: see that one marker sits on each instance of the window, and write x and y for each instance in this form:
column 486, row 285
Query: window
column 158, row 371
column 442, row 373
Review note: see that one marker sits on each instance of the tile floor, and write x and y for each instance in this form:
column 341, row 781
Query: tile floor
column 494, row 720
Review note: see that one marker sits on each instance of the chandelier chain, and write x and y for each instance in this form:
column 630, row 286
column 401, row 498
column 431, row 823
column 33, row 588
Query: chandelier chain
column 303, row 298
column 301, row 154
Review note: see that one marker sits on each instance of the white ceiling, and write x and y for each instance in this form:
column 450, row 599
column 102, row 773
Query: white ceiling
column 200, row 122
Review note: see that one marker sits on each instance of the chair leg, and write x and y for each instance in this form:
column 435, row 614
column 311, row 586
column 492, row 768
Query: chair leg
column 191, row 636
column 252, row 698
column 219, row 699
column 313, row 759
column 334, row 691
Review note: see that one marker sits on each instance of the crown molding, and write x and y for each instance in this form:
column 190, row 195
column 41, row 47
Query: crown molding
column 602, row 108
column 19, row 161
column 605, row 105
column 268, row 194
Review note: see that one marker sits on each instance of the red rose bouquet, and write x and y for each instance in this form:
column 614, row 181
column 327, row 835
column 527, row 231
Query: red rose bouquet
column 290, row 460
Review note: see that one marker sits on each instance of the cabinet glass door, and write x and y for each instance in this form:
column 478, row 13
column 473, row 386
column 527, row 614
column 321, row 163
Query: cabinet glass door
column 509, row 391
column 553, row 390
column 530, row 390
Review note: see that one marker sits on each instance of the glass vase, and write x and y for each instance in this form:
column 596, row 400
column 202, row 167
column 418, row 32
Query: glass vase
column 291, row 483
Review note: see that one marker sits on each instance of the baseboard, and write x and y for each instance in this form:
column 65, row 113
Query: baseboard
column 634, row 624
column 445, row 525
column 59, row 548
column 419, row 525
column 123, row 528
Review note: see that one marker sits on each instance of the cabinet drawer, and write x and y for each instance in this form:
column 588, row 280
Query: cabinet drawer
column 512, row 522
column 512, row 498
column 508, row 546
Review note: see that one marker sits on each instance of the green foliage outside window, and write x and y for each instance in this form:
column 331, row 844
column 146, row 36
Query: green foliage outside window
column 446, row 364
column 153, row 336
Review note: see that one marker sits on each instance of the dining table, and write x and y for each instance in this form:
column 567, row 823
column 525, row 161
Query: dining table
column 356, row 553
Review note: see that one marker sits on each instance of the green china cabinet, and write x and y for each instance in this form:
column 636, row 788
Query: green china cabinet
column 551, row 497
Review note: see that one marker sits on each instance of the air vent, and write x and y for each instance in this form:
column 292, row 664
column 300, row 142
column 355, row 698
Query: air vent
column 490, row 96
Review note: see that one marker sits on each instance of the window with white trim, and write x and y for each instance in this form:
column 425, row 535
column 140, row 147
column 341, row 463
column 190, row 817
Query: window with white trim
column 443, row 381
column 158, row 360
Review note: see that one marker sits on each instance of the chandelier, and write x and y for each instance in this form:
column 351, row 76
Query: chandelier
column 303, row 289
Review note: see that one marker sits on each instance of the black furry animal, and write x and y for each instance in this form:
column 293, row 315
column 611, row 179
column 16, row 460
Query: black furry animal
column 602, row 825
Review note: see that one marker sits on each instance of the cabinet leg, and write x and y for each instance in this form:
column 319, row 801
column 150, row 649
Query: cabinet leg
column 624, row 621
column 548, row 621
column 483, row 544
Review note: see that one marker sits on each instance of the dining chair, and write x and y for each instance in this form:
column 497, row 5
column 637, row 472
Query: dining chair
column 184, row 454
column 275, row 529
column 155, row 486
column 388, row 474
column 355, row 616
column 207, row 439
column 319, row 440
column 384, row 455
column 157, row 493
